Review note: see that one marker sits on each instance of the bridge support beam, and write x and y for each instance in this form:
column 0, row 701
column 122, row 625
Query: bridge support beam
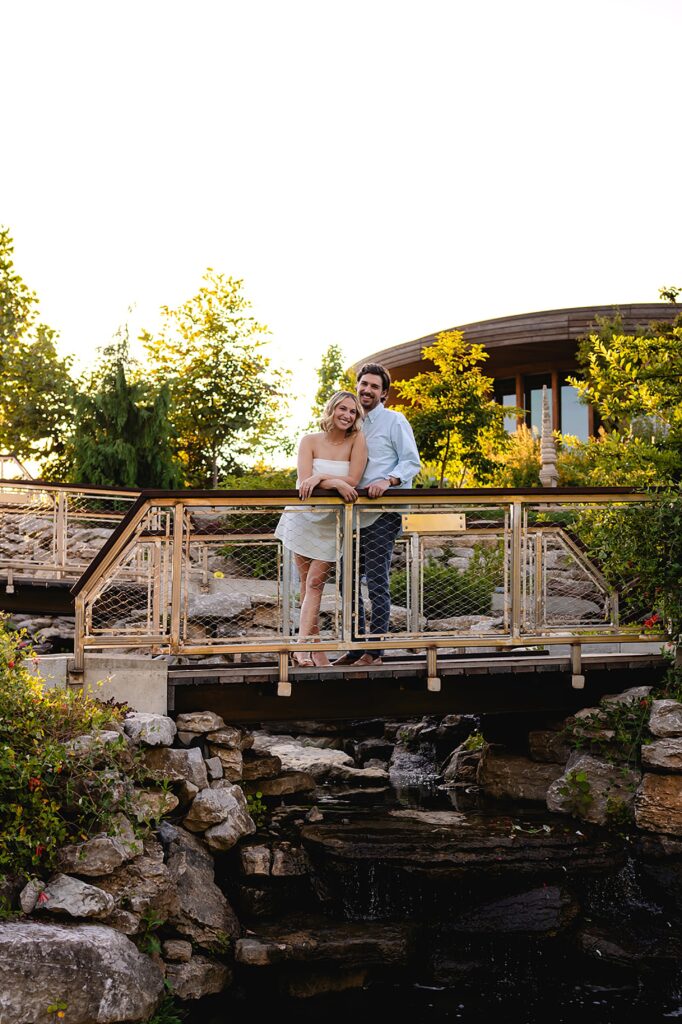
column 577, row 677
column 432, row 677
column 283, row 684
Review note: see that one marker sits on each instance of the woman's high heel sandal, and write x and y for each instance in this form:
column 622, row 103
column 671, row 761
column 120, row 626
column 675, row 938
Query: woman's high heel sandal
column 302, row 660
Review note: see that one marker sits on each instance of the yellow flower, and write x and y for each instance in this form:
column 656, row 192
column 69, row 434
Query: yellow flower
column 219, row 575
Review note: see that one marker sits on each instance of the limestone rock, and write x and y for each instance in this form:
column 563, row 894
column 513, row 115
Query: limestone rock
column 101, row 854
column 185, row 792
column 514, row 777
column 260, row 766
column 95, row 970
column 461, row 767
column 199, row 721
column 177, row 950
column 283, row 785
column 295, row 757
column 631, row 696
column 153, row 804
column 151, row 730
column 237, row 823
column 142, row 885
column 201, row 913
column 603, row 789
column 228, row 736
column 231, row 761
column 370, row 775
column 658, row 804
column 66, row 895
column 197, row 978
column 255, row 860
column 663, row 755
column 177, row 765
column 213, row 806
column 214, row 768
column 344, row 943
column 92, row 741
column 28, row 897
column 666, row 718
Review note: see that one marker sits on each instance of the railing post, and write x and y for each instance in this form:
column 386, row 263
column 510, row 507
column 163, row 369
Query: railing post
column 78, row 665
column 176, row 575
column 577, row 678
column 60, row 533
column 538, row 583
column 287, row 584
column 347, row 581
column 516, row 608
column 415, row 584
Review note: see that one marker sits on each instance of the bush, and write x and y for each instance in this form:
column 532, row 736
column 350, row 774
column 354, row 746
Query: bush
column 50, row 793
column 449, row 591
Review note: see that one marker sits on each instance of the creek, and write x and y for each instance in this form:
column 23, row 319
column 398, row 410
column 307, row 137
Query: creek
column 421, row 902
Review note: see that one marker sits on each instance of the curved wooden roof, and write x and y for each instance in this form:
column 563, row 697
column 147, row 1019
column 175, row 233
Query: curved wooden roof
column 526, row 340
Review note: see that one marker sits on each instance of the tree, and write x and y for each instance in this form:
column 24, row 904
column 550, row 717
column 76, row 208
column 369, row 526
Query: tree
column 226, row 400
column 122, row 434
column 331, row 377
column 456, row 421
column 36, row 387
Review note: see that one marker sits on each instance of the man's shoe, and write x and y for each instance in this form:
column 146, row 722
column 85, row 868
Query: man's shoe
column 368, row 659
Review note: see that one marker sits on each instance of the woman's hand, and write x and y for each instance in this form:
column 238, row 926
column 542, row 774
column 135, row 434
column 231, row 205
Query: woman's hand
column 347, row 491
column 307, row 486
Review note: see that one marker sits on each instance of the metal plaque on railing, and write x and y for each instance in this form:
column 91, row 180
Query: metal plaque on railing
column 434, row 522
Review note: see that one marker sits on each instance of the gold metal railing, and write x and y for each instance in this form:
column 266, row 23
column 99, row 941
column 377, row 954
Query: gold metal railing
column 199, row 573
column 53, row 531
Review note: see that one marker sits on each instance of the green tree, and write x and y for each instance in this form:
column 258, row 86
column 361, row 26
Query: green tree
column 36, row 387
column 456, row 421
column 227, row 400
column 332, row 376
column 122, row 434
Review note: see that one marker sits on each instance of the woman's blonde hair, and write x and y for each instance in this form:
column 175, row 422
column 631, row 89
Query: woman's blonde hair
column 327, row 420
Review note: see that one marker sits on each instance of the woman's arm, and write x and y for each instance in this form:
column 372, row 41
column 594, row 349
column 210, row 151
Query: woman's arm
column 346, row 485
column 307, row 482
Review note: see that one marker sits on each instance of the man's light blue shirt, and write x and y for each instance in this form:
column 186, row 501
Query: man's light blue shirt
column 392, row 450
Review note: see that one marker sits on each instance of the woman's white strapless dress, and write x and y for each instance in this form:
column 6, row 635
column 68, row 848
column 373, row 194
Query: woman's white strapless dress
column 313, row 532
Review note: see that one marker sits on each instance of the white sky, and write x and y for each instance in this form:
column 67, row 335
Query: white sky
column 374, row 170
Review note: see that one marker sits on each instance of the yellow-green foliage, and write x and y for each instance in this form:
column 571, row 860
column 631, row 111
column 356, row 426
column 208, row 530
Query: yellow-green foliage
column 50, row 794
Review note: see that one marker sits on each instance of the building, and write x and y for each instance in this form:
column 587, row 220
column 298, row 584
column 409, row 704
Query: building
column 528, row 350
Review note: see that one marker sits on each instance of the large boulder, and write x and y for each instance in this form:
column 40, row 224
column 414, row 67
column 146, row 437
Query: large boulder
column 199, row 721
column 296, row 757
column 663, row 755
column 66, row 895
column 143, row 885
column 102, row 854
column 666, row 718
column 202, row 913
column 179, row 765
column 594, row 790
column 95, row 971
column 236, row 824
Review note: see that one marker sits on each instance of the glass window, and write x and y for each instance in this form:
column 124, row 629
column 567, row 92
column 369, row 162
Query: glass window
column 505, row 394
column 574, row 415
column 533, row 389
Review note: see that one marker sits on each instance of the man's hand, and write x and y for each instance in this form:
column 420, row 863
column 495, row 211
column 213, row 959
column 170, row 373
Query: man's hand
column 377, row 488
column 307, row 486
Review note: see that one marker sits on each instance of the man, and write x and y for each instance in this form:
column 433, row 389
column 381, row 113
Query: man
column 393, row 461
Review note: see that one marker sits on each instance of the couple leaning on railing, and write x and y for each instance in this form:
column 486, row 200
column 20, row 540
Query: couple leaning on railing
column 362, row 444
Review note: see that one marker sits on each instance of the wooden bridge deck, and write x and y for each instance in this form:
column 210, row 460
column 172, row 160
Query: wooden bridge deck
column 488, row 684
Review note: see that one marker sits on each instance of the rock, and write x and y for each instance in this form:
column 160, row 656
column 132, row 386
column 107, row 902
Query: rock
column 297, row 758
column 197, row 978
column 260, row 766
column 28, row 897
column 514, row 777
column 231, row 761
column 199, row 721
column 461, row 767
column 289, row 782
column 593, row 790
column 228, row 736
column 214, row 806
column 314, row 815
column 658, row 804
column 66, row 895
column 666, row 718
column 238, row 822
column 289, row 860
column 124, row 921
column 663, row 754
column 627, row 947
column 189, row 739
column 202, row 913
column 96, row 971
column 102, row 854
column 255, row 860
column 214, row 768
column 548, row 746
column 631, row 696
column 177, row 765
column 177, row 950
column 185, row 792
column 371, row 748
column 344, row 943
column 367, row 776
column 152, row 804
column 143, row 885
column 91, row 742
column 151, row 730
column 544, row 910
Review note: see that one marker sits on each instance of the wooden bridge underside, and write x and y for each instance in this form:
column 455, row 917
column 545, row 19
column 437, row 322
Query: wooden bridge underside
column 521, row 683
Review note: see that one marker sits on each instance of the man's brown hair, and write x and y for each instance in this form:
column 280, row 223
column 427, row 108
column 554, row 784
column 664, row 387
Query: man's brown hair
column 379, row 371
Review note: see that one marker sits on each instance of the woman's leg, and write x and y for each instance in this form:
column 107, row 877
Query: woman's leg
column 316, row 577
column 303, row 568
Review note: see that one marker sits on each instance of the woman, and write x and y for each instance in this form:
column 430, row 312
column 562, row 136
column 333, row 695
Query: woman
column 334, row 460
